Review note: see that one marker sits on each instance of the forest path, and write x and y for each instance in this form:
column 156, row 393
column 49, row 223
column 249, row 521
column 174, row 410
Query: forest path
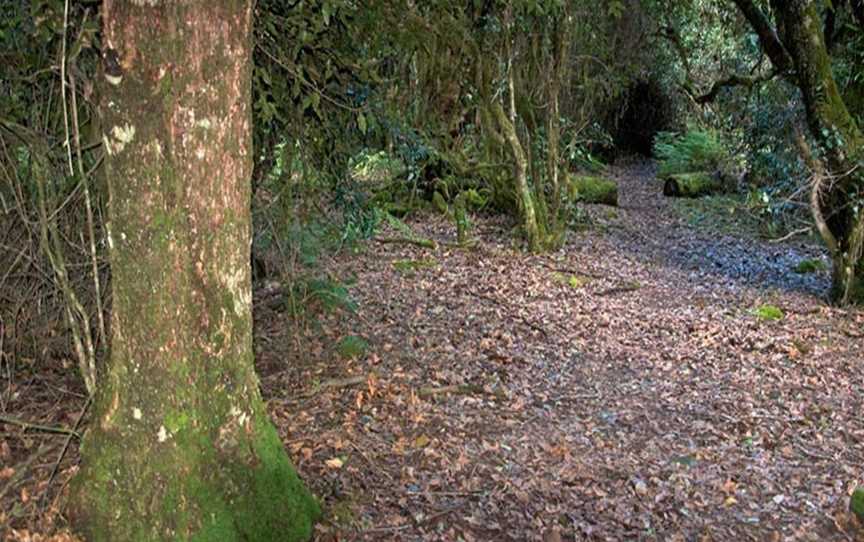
column 620, row 388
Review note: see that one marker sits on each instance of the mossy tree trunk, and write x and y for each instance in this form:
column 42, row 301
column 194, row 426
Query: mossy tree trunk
column 524, row 194
column 797, row 48
column 180, row 446
column 839, row 136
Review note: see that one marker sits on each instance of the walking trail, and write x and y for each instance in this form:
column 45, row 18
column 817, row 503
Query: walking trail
column 620, row 388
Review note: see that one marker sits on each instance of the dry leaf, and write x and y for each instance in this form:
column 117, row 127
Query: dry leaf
column 335, row 463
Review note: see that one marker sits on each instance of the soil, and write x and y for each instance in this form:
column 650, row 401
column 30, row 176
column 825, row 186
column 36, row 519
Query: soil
column 623, row 387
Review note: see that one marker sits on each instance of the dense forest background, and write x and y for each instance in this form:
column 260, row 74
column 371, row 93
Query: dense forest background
column 368, row 113
column 372, row 115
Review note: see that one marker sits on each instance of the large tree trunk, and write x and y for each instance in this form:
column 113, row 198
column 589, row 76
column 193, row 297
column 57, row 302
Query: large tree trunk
column 799, row 43
column 180, row 445
column 841, row 139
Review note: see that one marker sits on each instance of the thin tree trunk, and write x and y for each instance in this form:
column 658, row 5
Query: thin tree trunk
column 556, row 74
column 520, row 170
column 180, row 445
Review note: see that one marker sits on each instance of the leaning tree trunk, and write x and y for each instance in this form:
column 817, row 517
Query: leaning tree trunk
column 180, row 445
column 837, row 198
column 507, row 124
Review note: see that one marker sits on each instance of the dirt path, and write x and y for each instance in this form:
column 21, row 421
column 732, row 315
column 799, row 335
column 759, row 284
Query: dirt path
column 620, row 388
column 643, row 401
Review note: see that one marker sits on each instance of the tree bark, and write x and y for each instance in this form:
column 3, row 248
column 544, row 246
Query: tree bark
column 802, row 43
column 180, row 446
column 768, row 38
column 520, row 171
column 556, row 75
column 840, row 138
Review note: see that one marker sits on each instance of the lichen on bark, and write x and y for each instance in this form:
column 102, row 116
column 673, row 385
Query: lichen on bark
column 180, row 446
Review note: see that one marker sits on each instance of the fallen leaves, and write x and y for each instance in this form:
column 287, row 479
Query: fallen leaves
column 498, row 401
column 335, row 463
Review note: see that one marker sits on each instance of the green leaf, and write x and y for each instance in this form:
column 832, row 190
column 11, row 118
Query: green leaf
column 361, row 123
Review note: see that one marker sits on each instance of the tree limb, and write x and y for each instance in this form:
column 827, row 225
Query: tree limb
column 858, row 11
column 768, row 37
column 733, row 81
column 816, row 191
column 37, row 427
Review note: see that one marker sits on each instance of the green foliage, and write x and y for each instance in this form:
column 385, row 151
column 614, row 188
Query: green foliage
column 573, row 281
column 694, row 150
column 330, row 294
column 809, row 266
column 351, row 347
column 768, row 313
column 577, row 150
column 692, row 185
column 593, row 190
column 376, row 168
column 408, row 267
column 856, row 503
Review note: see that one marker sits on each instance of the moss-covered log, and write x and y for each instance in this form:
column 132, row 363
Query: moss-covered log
column 180, row 446
column 691, row 185
column 589, row 189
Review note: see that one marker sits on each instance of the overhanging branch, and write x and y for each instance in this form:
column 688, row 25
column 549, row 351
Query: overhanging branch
column 733, row 81
column 768, row 38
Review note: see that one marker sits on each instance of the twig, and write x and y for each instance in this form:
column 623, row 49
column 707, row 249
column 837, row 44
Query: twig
column 524, row 320
column 88, row 207
column 569, row 270
column 425, row 243
column 37, row 427
column 337, row 383
column 813, row 455
column 66, row 447
column 790, row 235
column 63, row 86
column 21, row 469
column 371, row 463
column 449, row 493
column 459, row 389
column 393, row 529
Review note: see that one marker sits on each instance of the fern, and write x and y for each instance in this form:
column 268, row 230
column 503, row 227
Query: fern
column 695, row 150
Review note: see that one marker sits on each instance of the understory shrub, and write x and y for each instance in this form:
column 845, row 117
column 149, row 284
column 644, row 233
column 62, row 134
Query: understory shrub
column 693, row 150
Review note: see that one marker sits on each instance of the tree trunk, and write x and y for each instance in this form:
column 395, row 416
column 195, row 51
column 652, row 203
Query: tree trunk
column 555, row 75
column 841, row 139
column 180, row 445
column 520, row 172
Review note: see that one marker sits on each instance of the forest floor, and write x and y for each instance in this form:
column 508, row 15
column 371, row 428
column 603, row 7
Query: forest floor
column 624, row 387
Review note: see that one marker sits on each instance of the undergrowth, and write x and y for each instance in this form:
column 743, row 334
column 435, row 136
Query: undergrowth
column 691, row 151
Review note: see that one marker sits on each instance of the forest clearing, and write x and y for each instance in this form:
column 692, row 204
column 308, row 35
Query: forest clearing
column 549, row 270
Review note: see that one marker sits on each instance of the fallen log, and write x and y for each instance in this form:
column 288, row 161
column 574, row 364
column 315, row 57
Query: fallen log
column 692, row 185
column 589, row 189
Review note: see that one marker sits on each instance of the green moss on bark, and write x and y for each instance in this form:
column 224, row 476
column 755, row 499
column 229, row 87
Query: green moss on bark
column 589, row 189
column 691, row 185
column 180, row 447
column 189, row 488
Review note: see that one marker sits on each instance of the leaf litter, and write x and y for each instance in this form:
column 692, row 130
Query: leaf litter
column 648, row 403
column 495, row 399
